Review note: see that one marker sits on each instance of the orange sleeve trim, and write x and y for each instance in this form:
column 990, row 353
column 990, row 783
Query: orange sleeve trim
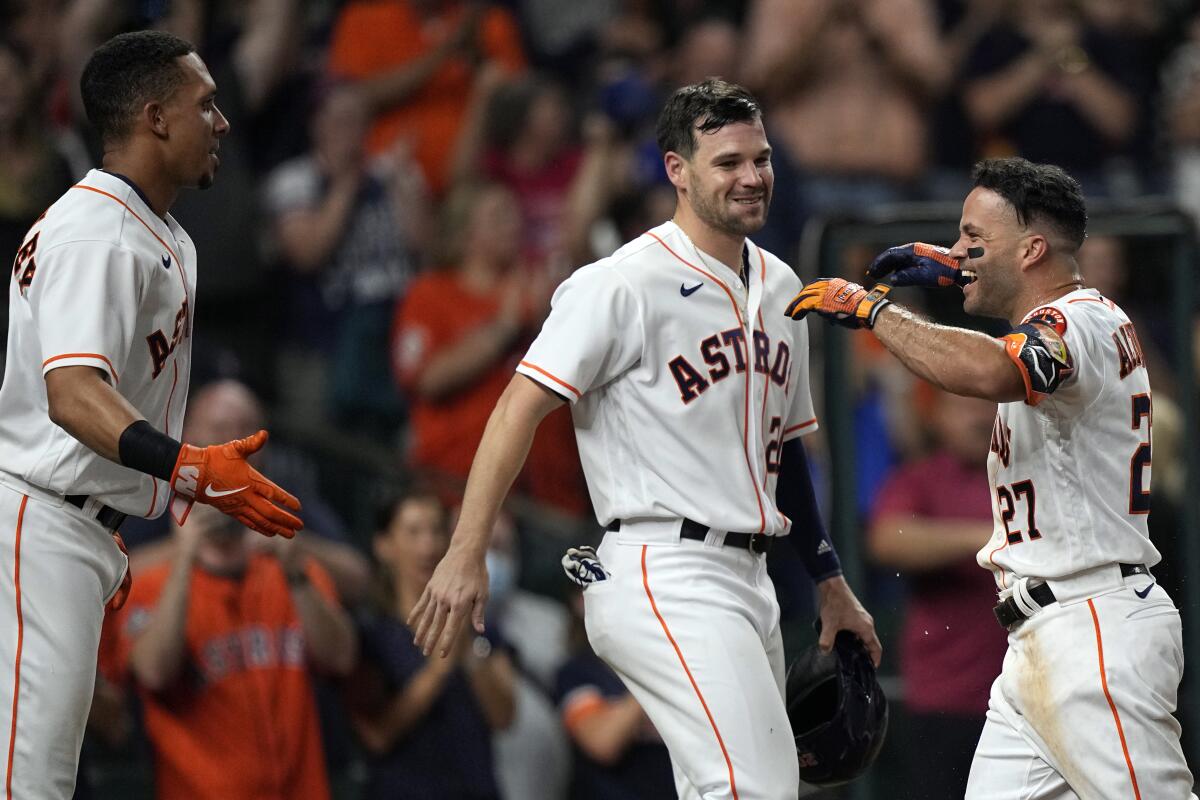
column 801, row 426
column 97, row 356
column 700, row 695
column 554, row 378
column 582, row 708
column 1107, row 303
column 12, row 733
column 1113, row 706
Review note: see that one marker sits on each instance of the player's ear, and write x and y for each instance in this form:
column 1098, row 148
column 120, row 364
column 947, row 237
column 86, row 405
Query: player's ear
column 155, row 118
column 1034, row 250
column 676, row 166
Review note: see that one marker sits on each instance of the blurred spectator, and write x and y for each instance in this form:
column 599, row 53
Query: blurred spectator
column 221, row 412
column 849, row 83
column 1051, row 87
column 529, row 144
column 618, row 753
column 952, row 149
column 426, row 722
column 350, row 231
column 415, row 62
column 1181, row 118
column 456, row 340
column 1104, row 265
column 219, row 642
column 709, row 47
column 931, row 518
column 34, row 171
column 532, row 756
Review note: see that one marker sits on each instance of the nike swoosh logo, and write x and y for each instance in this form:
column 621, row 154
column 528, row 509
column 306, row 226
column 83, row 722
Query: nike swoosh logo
column 1143, row 594
column 686, row 291
column 166, row 262
column 208, row 490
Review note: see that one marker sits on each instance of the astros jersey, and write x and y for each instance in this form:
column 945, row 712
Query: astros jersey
column 683, row 381
column 1070, row 470
column 100, row 280
column 240, row 723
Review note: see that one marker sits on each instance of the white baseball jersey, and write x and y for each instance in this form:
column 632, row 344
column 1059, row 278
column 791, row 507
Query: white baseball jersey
column 102, row 281
column 684, row 382
column 1070, row 470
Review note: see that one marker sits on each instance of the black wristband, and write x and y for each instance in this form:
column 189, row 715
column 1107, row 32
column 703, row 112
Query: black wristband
column 148, row 450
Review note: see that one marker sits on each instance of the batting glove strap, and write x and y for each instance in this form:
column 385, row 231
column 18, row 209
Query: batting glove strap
column 583, row 566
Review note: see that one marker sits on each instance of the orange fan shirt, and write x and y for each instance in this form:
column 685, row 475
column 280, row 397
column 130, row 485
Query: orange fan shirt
column 372, row 38
column 241, row 721
column 436, row 314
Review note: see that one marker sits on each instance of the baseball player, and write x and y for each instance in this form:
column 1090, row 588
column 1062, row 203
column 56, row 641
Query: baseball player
column 688, row 397
column 1082, row 707
column 101, row 304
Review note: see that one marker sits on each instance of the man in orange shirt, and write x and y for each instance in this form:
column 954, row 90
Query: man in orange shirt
column 415, row 62
column 220, row 643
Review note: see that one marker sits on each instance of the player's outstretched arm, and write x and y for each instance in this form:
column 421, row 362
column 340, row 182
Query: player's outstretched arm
column 460, row 583
column 82, row 402
column 954, row 359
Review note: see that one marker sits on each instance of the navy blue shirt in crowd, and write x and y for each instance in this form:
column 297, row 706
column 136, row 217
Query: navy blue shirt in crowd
column 448, row 754
column 642, row 773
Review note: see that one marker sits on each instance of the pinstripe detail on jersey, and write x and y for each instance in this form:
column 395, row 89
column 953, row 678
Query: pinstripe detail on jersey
column 111, row 370
column 762, row 514
column 554, row 378
column 700, row 695
column 1113, row 706
column 12, row 732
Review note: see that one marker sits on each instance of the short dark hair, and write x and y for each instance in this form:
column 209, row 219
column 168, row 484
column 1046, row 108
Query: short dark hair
column 125, row 73
column 1041, row 192
column 417, row 491
column 708, row 106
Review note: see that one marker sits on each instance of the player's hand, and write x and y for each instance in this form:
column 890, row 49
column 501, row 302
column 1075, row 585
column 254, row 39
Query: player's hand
column 841, row 611
column 459, row 586
column 220, row 477
column 917, row 264
column 840, row 301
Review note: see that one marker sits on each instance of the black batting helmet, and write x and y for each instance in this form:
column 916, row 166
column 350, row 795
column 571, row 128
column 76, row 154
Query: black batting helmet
column 837, row 710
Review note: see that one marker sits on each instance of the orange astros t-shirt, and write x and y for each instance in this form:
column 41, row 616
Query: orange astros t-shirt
column 241, row 722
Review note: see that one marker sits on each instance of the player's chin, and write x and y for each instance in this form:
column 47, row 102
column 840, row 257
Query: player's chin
column 748, row 218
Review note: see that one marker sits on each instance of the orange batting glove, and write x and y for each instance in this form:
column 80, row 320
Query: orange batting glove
column 220, row 477
column 840, row 301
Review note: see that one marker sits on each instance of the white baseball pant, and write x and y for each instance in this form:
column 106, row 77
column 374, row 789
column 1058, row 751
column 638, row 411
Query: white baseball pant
column 693, row 630
column 58, row 569
column 1083, row 706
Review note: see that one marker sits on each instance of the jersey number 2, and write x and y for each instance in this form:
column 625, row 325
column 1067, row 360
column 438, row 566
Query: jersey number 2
column 1139, row 493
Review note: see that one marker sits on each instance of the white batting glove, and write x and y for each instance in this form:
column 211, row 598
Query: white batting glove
column 583, row 566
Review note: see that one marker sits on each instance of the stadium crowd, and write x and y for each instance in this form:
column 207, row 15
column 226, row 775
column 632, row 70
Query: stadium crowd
column 405, row 184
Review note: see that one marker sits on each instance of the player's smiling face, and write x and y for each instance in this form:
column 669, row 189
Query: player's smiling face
column 196, row 125
column 729, row 178
column 989, row 222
